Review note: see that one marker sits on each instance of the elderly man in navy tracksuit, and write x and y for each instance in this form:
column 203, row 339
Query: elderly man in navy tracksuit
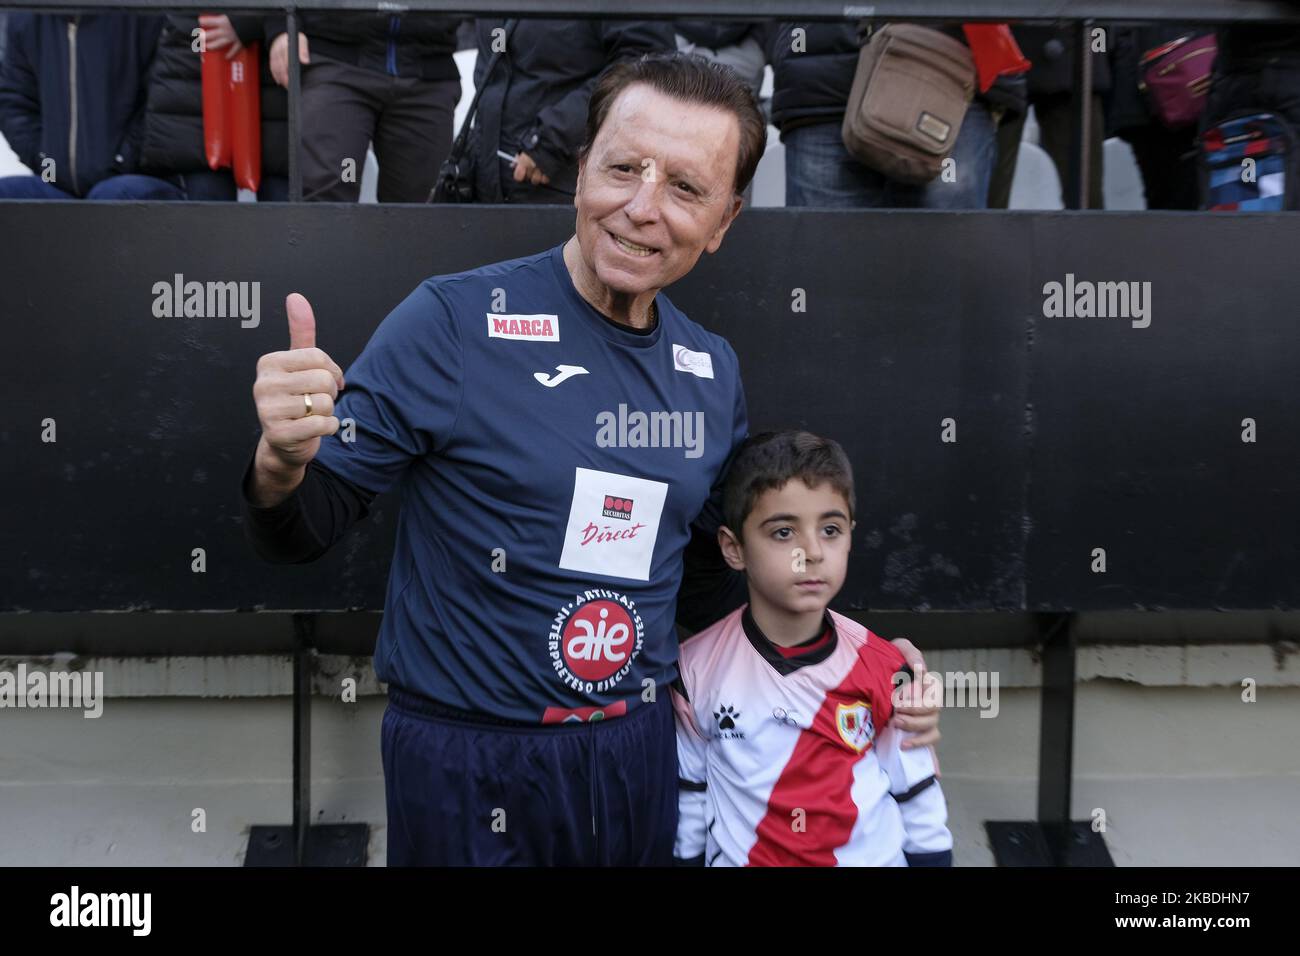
column 561, row 461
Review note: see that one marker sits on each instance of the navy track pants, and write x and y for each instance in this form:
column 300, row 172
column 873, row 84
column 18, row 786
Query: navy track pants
column 466, row 793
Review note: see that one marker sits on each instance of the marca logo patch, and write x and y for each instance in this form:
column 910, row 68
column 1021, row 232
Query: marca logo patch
column 532, row 328
column 697, row 363
column 595, row 544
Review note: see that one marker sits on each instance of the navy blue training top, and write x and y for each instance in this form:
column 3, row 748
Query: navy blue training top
column 551, row 464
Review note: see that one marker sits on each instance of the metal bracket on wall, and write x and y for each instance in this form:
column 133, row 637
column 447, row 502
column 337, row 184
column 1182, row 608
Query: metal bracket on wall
column 1078, row 170
column 294, row 106
column 302, row 843
column 1053, row 839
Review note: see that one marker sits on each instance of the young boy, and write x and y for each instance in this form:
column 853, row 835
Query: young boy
column 784, row 755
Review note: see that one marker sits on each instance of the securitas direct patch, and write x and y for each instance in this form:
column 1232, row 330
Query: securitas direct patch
column 613, row 524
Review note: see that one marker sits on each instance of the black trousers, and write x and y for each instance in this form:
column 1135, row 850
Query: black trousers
column 1055, row 115
column 345, row 108
column 1056, row 131
column 1168, row 164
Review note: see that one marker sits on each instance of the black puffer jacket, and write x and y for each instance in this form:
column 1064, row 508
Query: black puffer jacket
column 811, row 85
column 1258, row 68
column 173, row 136
column 407, row 45
column 715, row 34
column 536, row 99
column 1051, row 50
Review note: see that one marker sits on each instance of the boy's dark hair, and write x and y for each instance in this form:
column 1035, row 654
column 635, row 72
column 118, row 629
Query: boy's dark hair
column 771, row 459
column 689, row 77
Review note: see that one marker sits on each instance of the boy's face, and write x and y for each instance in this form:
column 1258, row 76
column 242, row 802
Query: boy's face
column 795, row 547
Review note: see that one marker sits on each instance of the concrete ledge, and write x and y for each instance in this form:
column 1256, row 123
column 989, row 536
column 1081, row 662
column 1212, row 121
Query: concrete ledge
column 253, row 675
column 1184, row 775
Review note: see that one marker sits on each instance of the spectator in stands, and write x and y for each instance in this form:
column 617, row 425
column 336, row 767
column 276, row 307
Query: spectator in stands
column 810, row 94
column 739, row 45
column 382, row 78
column 1166, row 158
column 534, row 105
column 1257, row 70
column 72, row 95
column 173, row 145
column 1051, row 50
column 1009, row 105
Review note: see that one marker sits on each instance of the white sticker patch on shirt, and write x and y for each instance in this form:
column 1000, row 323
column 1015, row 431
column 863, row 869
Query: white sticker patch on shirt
column 613, row 524
column 697, row 363
column 532, row 328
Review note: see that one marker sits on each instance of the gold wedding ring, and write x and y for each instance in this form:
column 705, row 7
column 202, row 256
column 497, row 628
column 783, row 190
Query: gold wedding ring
column 307, row 400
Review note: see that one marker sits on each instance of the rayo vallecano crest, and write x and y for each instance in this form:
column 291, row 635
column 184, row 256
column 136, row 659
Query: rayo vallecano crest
column 853, row 721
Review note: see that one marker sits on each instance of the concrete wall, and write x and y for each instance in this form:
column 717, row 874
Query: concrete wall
column 1186, row 772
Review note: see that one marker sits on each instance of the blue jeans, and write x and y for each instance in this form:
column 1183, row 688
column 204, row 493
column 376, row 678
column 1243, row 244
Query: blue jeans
column 130, row 186
column 206, row 185
column 819, row 171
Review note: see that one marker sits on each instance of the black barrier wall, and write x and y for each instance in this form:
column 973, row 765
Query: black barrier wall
column 996, row 447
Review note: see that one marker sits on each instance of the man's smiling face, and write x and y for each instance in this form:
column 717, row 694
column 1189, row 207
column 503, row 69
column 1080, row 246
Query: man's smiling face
column 656, row 189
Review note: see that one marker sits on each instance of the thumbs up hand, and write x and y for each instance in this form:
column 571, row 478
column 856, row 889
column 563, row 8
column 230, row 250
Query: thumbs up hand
column 295, row 393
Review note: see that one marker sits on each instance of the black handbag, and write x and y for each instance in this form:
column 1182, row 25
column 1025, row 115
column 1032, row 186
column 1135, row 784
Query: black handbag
column 455, row 183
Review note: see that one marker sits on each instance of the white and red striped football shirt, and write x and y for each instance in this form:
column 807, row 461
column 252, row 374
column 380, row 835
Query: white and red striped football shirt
column 787, row 760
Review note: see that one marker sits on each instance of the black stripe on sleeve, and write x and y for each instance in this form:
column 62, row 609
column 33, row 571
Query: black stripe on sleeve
column 904, row 797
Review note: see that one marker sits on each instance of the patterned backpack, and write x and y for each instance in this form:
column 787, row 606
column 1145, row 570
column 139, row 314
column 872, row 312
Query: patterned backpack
column 1247, row 162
